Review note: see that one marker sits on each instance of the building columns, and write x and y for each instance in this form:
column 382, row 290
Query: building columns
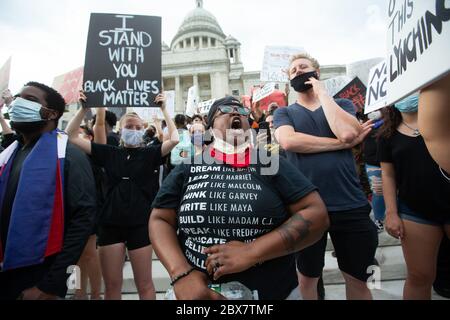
column 179, row 106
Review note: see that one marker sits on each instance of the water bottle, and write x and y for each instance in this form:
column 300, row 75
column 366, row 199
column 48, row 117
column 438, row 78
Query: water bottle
column 231, row 290
column 234, row 291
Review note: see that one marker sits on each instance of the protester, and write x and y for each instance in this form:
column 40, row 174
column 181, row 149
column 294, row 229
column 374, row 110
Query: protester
column 373, row 171
column 251, row 233
column 434, row 122
column 124, row 217
column 182, row 152
column 89, row 262
column 416, row 196
column 197, row 132
column 317, row 133
column 48, row 199
column 197, row 119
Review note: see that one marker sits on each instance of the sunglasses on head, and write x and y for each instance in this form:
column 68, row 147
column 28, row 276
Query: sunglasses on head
column 243, row 111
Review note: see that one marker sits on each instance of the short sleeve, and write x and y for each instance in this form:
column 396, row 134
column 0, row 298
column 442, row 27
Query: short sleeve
column 290, row 182
column 384, row 151
column 281, row 118
column 347, row 105
column 171, row 192
column 101, row 153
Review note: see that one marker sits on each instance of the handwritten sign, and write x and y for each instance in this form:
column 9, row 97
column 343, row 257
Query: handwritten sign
column 276, row 62
column 354, row 91
column 123, row 60
column 263, row 92
column 204, row 107
column 69, row 85
column 418, row 41
column 377, row 88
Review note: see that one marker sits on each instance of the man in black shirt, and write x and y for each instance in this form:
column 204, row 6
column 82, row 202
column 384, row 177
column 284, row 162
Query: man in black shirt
column 35, row 117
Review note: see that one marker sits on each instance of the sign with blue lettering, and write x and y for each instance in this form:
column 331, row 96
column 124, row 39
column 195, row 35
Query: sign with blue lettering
column 418, row 42
column 123, row 61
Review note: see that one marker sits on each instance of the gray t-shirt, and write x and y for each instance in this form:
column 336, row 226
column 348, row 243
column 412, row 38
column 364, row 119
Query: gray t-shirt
column 333, row 172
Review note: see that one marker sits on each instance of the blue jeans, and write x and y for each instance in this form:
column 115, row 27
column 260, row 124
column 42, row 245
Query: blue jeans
column 379, row 208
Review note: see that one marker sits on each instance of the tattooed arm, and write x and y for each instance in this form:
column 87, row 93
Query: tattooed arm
column 306, row 226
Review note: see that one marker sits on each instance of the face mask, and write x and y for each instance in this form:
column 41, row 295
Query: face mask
column 197, row 139
column 374, row 115
column 132, row 137
column 298, row 83
column 409, row 104
column 227, row 148
column 22, row 110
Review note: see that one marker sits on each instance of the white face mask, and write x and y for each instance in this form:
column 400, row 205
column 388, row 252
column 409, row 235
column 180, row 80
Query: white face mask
column 374, row 115
column 227, row 148
column 132, row 137
column 22, row 110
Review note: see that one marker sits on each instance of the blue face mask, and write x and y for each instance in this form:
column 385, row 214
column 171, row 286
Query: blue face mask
column 197, row 139
column 132, row 137
column 22, row 110
column 409, row 104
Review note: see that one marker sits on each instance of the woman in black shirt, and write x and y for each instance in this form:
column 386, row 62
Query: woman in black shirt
column 421, row 215
column 123, row 222
column 225, row 217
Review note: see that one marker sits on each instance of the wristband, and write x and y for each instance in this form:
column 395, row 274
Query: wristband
column 180, row 276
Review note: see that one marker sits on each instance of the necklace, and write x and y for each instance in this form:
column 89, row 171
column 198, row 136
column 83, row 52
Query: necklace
column 415, row 131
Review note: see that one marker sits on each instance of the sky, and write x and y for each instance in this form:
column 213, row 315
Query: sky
column 47, row 38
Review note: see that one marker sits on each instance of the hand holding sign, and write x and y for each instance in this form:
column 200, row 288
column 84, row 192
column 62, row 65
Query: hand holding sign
column 160, row 100
column 7, row 97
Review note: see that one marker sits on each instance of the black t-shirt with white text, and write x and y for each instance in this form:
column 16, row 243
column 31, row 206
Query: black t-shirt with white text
column 217, row 203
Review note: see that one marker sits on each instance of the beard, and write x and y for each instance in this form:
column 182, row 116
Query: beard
column 28, row 127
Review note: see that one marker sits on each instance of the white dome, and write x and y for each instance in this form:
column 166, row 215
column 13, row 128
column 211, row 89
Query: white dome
column 198, row 22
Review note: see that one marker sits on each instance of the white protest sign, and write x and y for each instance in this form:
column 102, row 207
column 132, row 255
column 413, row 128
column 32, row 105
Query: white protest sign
column 336, row 84
column 376, row 88
column 265, row 91
column 192, row 101
column 418, row 42
column 276, row 62
column 204, row 107
column 148, row 113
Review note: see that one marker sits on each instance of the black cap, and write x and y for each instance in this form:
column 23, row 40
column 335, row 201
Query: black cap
column 227, row 101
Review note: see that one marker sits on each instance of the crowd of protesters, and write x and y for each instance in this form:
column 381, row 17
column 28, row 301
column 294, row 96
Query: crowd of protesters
column 238, row 194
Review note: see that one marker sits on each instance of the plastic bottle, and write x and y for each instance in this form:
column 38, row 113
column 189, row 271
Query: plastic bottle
column 234, row 291
column 231, row 290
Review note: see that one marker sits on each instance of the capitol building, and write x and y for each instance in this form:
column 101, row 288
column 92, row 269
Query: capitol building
column 202, row 55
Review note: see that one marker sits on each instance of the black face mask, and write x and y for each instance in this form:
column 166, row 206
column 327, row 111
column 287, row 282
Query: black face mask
column 298, row 83
column 28, row 127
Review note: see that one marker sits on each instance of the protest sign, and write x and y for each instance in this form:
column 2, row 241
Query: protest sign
column 276, row 63
column 418, row 42
column 354, row 91
column 334, row 85
column 148, row 113
column 377, row 88
column 123, row 60
column 69, row 85
column 192, row 101
column 204, row 107
column 4, row 77
column 263, row 92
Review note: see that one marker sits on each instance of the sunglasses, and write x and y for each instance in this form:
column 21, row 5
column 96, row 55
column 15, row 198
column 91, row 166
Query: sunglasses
column 243, row 111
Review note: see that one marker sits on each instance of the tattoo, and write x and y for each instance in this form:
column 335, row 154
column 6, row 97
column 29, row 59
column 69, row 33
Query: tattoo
column 294, row 231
